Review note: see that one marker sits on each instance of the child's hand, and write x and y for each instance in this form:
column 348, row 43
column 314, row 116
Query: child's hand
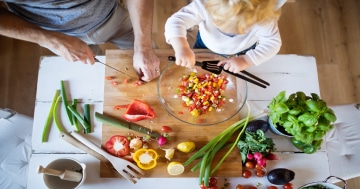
column 185, row 57
column 183, row 53
column 235, row 64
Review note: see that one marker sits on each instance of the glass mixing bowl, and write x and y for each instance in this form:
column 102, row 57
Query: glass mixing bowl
column 167, row 87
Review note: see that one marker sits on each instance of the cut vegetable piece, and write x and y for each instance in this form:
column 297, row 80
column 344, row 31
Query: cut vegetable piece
column 65, row 101
column 118, row 146
column 49, row 119
column 76, row 123
column 86, row 126
column 138, row 110
column 175, row 168
column 87, row 117
column 145, row 158
column 55, row 114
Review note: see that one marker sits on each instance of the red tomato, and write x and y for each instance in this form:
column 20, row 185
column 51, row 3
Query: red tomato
column 272, row 187
column 257, row 166
column 212, row 181
column 246, row 173
column 166, row 129
column 202, row 186
column 240, row 186
column 260, row 173
column 288, row 186
column 118, row 146
column 250, row 164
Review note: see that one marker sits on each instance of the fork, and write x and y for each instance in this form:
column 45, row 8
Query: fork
column 212, row 67
column 125, row 168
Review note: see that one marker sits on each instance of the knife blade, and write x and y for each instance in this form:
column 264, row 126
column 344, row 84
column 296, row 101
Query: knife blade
column 98, row 61
column 126, row 125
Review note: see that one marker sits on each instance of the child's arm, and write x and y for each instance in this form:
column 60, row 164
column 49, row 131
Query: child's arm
column 183, row 53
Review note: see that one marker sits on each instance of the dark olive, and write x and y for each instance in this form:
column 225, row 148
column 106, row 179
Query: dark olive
column 280, row 176
column 254, row 125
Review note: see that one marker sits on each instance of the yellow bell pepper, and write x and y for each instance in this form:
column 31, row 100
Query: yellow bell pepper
column 145, row 158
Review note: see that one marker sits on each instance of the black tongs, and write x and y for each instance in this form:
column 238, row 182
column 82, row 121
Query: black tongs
column 211, row 66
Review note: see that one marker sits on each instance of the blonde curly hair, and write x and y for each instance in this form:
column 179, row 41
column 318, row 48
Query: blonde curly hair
column 239, row 15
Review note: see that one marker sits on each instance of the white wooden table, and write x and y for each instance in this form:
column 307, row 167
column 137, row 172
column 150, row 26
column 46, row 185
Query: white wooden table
column 285, row 72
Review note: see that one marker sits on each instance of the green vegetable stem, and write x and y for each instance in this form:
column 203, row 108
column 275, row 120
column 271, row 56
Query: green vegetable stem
column 87, row 128
column 49, row 119
column 65, row 101
column 208, row 152
column 76, row 123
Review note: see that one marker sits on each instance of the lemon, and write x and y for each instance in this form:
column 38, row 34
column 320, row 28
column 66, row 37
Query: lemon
column 186, row 147
column 175, row 168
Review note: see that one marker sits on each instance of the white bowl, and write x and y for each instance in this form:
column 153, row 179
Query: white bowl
column 54, row 182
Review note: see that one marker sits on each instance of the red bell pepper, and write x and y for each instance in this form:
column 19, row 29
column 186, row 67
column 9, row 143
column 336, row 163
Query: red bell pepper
column 136, row 111
column 118, row 146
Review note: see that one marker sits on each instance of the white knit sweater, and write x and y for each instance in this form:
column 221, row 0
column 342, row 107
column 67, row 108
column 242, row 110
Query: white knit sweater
column 267, row 36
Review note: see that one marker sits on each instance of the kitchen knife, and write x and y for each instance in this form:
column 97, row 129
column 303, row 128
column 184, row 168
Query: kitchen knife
column 98, row 61
column 126, row 125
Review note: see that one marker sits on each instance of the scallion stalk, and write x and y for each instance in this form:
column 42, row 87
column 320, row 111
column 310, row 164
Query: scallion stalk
column 75, row 121
column 65, row 101
column 86, row 126
column 55, row 114
column 217, row 143
column 49, row 119
column 87, row 116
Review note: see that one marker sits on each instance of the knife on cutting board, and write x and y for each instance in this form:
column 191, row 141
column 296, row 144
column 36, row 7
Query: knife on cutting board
column 126, row 125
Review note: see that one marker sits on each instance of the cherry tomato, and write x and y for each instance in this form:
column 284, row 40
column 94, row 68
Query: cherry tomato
column 166, row 129
column 240, row 186
column 272, row 187
column 202, row 186
column 288, row 186
column 260, row 172
column 212, row 181
column 246, row 173
column 250, row 164
column 257, row 166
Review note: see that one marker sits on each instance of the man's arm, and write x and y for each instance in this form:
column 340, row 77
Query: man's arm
column 71, row 48
column 146, row 63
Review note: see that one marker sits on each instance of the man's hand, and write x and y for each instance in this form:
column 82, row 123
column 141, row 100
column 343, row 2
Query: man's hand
column 70, row 48
column 146, row 64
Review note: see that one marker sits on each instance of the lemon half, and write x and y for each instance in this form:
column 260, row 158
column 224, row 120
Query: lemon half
column 175, row 168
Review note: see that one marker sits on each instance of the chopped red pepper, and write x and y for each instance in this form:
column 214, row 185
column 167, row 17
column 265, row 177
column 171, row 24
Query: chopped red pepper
column 118, row 146
column 136, row 111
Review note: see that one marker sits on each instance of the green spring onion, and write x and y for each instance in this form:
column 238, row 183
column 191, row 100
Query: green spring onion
column 65, row 101
column 49, row 119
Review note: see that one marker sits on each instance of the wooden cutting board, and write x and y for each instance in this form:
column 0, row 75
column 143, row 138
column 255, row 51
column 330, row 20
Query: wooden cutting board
column 124, row 93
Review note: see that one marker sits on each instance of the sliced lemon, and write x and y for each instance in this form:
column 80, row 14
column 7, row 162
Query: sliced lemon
column 175, row 168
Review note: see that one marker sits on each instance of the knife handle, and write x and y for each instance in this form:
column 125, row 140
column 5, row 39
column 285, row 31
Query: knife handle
column 171, row 58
